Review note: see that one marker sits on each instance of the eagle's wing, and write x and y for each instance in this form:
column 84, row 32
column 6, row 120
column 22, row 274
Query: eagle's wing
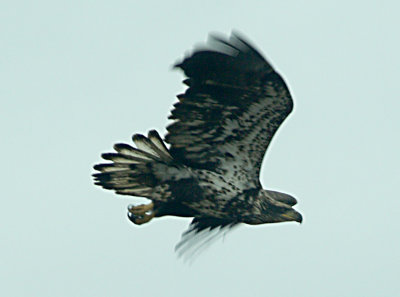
column 227, row 117
column 201, row 233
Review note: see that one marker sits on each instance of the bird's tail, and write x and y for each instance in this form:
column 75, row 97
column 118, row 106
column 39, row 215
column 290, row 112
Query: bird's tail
column 132, row 170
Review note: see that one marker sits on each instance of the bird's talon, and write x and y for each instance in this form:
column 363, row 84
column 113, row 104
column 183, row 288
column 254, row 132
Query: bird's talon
column 141, row 214
column 141, row 209
column 139, row 220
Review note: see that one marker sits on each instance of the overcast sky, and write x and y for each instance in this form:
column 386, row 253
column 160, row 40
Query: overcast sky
column 78, row 76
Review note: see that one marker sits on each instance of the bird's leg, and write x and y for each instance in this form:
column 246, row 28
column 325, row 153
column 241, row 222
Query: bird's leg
column 141, row 214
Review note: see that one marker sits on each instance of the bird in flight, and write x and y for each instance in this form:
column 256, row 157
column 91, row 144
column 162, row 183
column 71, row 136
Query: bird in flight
column 221, row 127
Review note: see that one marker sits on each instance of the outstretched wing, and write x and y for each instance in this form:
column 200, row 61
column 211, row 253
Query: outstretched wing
column 227, row 117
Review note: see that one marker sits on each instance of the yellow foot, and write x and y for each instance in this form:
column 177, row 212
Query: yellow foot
column 140, row 209
column 141, row 214
column 138, row 220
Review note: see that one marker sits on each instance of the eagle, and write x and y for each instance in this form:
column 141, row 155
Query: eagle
column 221, row 127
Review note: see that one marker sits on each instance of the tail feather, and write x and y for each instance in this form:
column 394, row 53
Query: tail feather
column 131, row 170
column 111, row 167
column 123, row 159
column 141, row 192
column 138, row 153
column 152, row 145
column 159, row 143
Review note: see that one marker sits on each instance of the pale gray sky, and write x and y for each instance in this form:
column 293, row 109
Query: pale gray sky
column 78, row 76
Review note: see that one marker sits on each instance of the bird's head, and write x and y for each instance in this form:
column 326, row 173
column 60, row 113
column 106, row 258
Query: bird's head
column 270, row 210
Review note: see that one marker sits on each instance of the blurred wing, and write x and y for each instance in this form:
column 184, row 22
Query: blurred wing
column 201, row 233
column 227, row 117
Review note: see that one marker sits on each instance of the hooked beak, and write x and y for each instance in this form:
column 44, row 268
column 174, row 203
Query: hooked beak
column 293, row 215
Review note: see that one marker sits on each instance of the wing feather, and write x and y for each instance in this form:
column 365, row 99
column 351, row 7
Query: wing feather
column 227, row 117
column 200, row 234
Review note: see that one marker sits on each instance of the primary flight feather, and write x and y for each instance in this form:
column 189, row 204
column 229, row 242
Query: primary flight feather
column 222, row 126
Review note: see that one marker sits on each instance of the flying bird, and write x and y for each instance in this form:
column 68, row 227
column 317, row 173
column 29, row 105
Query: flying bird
column 221, row 127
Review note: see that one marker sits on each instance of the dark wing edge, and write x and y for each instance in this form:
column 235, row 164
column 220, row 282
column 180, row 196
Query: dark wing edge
column 222, row 60
column 200, row 234
column 233, row 106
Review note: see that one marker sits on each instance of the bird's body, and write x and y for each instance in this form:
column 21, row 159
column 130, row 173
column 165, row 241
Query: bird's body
column 222, row 126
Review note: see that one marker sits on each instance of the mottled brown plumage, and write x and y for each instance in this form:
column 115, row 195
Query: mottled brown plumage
column 222, row 126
